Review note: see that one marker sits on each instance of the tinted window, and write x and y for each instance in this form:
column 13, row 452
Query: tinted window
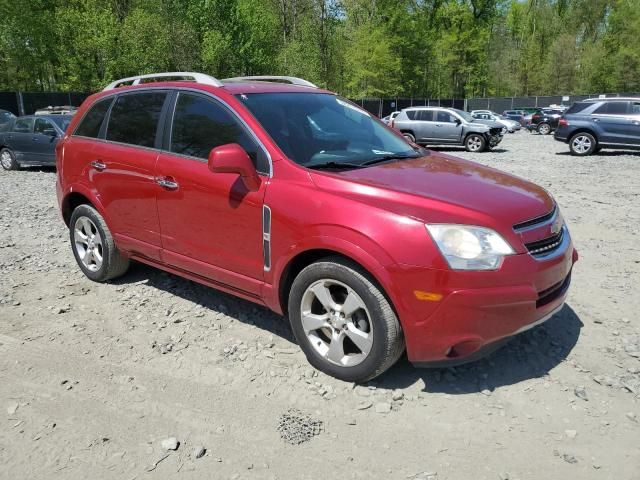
column 578, row 107
column 134, row 118
column 62, row 121
column 92, row 121
column 23, row 125
column 43, row 124
column 635, row 108
column 425, row 115
column 411, row 114
column 200, row 125
column 612, row 108
column 446, row 117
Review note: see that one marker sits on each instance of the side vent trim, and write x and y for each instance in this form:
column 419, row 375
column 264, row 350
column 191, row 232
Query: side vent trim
column 266, row 237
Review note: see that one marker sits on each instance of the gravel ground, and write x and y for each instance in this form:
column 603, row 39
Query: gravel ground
column 153, row 376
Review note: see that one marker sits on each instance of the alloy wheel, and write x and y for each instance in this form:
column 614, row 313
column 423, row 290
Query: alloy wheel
column 5, row 159
column 88, row 243
column 336, row 322
column 474, row 144
column 581, row 144
column 544, row 129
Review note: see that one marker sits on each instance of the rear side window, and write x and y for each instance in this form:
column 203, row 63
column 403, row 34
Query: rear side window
column 200, row 125
column 612, row 108
column 425, row 115
column 635, row 108
column 134, row 118
column 23, row 125
column 578, row 107
column 92, row 121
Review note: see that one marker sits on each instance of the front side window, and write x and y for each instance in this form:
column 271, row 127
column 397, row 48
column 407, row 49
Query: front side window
column 92, row 121
column 319, row 129
column 23, row 125
column 134, row 118
column 44, row 126
column 201, row 124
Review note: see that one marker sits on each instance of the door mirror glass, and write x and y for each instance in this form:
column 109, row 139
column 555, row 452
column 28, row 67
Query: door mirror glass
column 232, row 158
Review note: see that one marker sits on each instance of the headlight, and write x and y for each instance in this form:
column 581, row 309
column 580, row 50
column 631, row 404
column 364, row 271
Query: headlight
column 470, row 248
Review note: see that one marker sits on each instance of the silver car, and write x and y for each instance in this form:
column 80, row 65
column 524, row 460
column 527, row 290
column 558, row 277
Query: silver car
column 447, row 126
column 490, row 118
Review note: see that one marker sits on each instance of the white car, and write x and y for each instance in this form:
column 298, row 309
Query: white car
column 485, row 115
column 389, row 118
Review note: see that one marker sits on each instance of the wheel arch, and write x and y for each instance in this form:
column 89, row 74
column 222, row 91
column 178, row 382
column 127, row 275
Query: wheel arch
column 79, row 195
column 584, row 130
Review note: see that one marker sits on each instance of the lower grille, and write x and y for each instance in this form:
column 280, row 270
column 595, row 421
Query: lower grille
column 550, row 294
column 546, row 245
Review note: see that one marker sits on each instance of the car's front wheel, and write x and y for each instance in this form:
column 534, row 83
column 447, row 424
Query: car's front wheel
column 93, row 245
column 343, row 322
column 475, row 143
column 409, row 137
column 8, row 160
column 582, row 144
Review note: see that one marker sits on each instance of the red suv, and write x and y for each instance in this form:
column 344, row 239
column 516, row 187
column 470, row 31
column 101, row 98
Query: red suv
column 292, row 197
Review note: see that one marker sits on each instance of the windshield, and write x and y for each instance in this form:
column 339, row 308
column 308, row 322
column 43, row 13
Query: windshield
column 465, row 116
column 318, row 128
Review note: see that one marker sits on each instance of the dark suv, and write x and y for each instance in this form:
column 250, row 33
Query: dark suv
column 598, row 123
column 545, row 120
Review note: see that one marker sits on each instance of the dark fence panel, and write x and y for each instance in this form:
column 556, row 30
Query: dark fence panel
column 382, row 107
column 35, row 100
column 9, row 101
column 500, row 104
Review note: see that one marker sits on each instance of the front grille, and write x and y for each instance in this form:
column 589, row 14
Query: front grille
column 548, row 295
column 496, row 131
column 546, row 245
column 535, row 221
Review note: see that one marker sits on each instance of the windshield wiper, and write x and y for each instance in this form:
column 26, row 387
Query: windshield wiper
column 388, row 158
column 320, row 166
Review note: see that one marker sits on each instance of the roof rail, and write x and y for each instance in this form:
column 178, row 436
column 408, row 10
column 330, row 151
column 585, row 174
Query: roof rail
column 273, row 78
column 169, row 76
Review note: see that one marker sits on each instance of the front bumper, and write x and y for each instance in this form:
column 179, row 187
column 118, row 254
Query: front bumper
column 480, row 310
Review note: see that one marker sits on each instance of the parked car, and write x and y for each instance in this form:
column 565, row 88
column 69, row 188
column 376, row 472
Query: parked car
column 490, row 119
column 6, row 119
column 447, row 126
column 597, row 123
column 517, row 115
column 545, row 121
column 390, row 118
column 31, row 140
column 63, row 110
column 369, row 244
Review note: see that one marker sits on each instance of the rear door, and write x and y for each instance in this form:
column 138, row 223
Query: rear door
column 211, row 223
column 19, row 139
column 613, row 121
column 122, row 169
column 45, row 138
column 424, row 125
column 634, row 129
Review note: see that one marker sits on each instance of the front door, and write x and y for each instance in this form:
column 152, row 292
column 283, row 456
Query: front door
column 122, row 170
column 45, row 138
column 211, row 223
column 448, row 126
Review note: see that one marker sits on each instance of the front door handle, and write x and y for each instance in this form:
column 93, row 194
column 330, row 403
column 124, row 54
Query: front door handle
column 596, row 119
column 167, row 182
column 98, row 165
column 34, row 139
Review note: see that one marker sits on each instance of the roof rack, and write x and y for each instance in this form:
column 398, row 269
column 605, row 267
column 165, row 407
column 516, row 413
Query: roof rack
column 273, row 78
column 167, row 76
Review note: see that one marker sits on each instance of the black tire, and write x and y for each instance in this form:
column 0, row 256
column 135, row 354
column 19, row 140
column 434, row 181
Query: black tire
column 474, row 142
column 113, row 263
column 409, row 137
column 8, row 160
column 544, row 128
column 388, row 341
column 582, row 144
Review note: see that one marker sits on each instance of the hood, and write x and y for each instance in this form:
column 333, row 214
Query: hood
column 440, row 188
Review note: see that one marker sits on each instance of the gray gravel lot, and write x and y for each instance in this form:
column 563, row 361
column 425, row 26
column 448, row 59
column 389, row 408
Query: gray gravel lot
column 96, row 379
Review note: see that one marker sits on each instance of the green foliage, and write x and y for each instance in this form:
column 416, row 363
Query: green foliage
column 420, row 48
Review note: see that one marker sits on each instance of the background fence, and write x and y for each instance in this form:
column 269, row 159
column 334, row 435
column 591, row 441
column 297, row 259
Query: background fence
column 26, row 103
column 382, row 107
column 500, row 104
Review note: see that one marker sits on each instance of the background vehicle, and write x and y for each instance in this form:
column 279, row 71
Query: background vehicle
column 446, row 126
column 545, row 121
column 390, row 118
column 491, row 119
column 31, row 140
column 6, row 119
column 367, row 242
column 517, row 115
column 63, row 110
column 591, row 125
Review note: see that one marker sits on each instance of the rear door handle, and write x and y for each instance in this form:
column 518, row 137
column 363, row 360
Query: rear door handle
column 98, row 165
column 596, row 119
column 34, row 139
column 167, row 182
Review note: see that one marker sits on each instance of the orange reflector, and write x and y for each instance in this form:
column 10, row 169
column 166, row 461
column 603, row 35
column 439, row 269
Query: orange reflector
column 427, row 296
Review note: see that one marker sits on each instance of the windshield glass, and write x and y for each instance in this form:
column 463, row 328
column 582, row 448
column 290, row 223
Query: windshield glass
column 465, row 116
column 62, row 121
column 319, row 128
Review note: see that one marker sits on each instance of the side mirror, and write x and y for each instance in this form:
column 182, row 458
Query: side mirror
column 457, row 122
column 232, row 158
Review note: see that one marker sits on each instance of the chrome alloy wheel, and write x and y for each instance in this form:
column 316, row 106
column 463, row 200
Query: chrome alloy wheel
column 88, row 243
column 336, row 322
column 544, row 129
column 581, row 144
column 474, row 144
column 5, row 159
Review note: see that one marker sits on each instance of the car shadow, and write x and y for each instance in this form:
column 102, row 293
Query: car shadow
column 39, row 168
column 531, row 354
column 462, row 149
column 605, row 153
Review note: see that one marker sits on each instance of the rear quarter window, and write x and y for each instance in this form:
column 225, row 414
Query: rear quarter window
column 134, row 118
column 578, row 107
column 411, row 114
column 92, row 122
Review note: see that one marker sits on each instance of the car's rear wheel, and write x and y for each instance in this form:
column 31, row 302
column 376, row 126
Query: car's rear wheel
column 409, row 137
column 8, row 160
column 582, row 144
column 343, row 322
column 94, row 247
column 544, row 129
column 475, row 143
